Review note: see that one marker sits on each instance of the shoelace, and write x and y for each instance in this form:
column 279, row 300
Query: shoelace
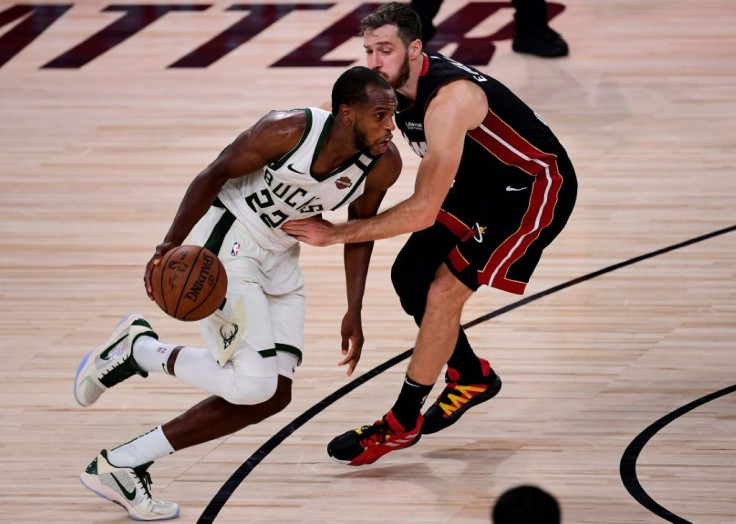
column 375, row 434
column 144, row 477
column 113, row 360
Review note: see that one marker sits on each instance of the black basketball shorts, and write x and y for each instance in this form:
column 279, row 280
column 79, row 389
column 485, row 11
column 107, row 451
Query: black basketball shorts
column 500, row 242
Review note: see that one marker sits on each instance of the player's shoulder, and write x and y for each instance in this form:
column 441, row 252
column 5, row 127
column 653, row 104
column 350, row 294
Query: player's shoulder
column 291, row 118
column 298, row 121
column 460, row 102
column 283, row 126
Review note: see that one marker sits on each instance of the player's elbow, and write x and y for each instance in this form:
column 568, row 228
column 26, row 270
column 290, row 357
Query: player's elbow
column 424, row 215
column 425, row 222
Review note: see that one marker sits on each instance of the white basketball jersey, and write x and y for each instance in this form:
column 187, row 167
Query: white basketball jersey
column 287, row 189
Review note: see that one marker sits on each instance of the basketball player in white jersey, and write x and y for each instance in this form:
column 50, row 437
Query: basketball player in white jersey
column 290, row 164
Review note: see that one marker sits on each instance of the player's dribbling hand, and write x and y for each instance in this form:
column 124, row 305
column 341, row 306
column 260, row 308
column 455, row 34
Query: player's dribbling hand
column 161, row 249
column 315, row 231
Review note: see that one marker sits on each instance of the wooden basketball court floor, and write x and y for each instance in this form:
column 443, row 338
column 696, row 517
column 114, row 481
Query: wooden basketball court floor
column 618, row 368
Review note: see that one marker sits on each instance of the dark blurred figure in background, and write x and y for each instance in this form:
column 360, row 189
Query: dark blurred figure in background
column 532, row 34
column 526, row 505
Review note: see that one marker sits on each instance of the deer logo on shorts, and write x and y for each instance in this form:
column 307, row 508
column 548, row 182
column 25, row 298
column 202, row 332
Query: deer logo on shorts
column 228, row 332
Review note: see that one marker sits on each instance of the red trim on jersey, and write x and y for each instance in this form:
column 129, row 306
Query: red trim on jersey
column 425, row 66
column 508, row 146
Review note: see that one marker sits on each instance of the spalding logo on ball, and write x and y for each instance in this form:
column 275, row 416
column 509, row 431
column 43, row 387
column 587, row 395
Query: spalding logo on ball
column 189, row 283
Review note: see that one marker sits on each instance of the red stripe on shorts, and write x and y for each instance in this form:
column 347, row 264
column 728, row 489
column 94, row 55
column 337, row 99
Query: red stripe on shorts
column 499, row 139
column 454, row 224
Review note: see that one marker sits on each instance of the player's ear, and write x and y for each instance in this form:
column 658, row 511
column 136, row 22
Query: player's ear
column 346, row 114
column 415, row 49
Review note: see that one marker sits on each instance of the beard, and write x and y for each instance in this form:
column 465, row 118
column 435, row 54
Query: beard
column 403, row 76
column 360, row 139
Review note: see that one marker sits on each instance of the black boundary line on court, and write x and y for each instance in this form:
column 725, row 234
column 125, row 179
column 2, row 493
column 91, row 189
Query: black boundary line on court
column 627, row 468
column 227, row 489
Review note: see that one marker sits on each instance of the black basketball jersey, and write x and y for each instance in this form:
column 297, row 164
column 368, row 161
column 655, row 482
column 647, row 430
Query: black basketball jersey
column 507, row 151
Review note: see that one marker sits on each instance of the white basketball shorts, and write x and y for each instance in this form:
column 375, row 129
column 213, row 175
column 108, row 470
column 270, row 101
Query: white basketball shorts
column 260, row 328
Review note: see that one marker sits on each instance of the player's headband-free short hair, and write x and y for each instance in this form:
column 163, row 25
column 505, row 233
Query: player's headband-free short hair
column 351, row 87
column 395, row 13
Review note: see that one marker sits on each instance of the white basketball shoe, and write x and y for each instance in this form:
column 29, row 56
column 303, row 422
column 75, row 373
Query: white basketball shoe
column 127, row 487
column 112, row 361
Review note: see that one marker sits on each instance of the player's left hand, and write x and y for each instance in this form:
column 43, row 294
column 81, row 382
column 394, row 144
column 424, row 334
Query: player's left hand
column 352, row 339
column 315, row 231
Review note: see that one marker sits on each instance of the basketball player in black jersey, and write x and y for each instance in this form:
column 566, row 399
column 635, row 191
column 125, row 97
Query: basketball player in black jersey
column 493, row 189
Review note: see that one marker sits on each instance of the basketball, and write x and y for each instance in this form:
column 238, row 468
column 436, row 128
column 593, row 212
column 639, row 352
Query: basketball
column 189, row 283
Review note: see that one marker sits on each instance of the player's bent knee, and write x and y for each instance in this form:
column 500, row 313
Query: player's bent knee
column 447, row 293
column 412, row 292
column 282, row 397
column 252, row 390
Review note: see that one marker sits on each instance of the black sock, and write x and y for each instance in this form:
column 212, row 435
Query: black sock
column 464, row 360
column 410, row 402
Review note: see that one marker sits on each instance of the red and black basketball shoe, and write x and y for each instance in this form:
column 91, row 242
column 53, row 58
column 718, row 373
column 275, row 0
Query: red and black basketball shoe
column 367, row 444
column 459, row 396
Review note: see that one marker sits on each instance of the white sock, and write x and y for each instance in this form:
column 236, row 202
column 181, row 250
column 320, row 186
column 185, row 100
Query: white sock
column 151, row 355
column 149, row 446
column 194, row 366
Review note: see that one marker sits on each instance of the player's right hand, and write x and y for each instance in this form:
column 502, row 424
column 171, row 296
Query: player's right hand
column 315, row 231
column 161, row 250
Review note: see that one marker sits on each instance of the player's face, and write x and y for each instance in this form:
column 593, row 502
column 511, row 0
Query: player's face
column 387, row 55
column 374, row 122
